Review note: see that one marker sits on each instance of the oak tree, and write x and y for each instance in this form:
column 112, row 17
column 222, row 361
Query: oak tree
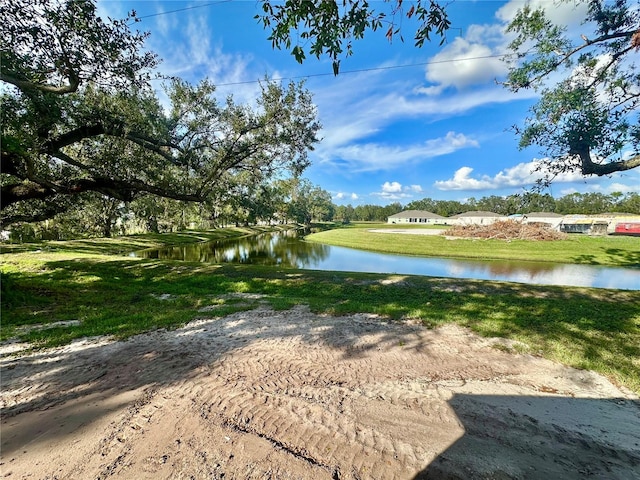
column 79, row 115
column 588, row 120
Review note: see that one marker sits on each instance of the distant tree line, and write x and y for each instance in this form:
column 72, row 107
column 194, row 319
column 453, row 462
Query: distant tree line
column 575, row 203
column 280, row 201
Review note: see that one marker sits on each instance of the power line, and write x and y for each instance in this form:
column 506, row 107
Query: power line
column 372, row 69
column 313, row 75
column 183, row 9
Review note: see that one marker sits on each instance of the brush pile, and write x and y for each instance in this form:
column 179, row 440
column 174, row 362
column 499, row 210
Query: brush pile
column 506, row 230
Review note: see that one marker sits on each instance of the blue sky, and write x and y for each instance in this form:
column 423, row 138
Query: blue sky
column 400, row 123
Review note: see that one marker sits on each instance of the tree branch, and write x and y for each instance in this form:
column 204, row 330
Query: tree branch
column 71, row 161
column 120, row 189
column 73, row 136
column 151, row 144
column 589, row 167
column 27, row 85
column 614, row 59
column 49, row 210
column 566, row 55
column 80, row 133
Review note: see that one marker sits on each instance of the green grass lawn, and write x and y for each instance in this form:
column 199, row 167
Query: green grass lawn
column 110, row 294
column 580, row 249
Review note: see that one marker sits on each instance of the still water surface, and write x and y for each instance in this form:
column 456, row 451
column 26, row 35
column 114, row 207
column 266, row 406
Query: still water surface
column 288, row 249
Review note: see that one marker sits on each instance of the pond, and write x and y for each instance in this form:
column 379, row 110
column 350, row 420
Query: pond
column 288, row 249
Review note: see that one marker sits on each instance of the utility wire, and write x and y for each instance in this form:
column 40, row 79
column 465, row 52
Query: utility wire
column 372, row 69
column 312, row 75
column 182, row 9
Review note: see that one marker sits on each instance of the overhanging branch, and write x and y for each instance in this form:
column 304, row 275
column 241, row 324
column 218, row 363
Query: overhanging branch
column 589, row 167
column 90, row 131
column 27, row 85
column 74, row 136
column 48, row 211
column 120, row 189
column 564, row 56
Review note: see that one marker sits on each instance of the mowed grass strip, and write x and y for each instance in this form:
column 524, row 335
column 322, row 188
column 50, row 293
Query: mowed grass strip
column 577, row 249
column 118, row 296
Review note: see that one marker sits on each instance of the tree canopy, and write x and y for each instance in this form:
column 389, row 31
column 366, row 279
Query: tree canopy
column 79, row 115
column 586, row 121
column 55, row 47
column 589, row 119
column 329, row 27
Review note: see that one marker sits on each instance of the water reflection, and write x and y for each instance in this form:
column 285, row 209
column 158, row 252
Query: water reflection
column 287, row 249
column 542, row 273
column 545, row 273
column 281, row 248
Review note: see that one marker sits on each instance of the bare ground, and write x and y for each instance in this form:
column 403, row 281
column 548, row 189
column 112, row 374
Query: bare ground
column 264, row 394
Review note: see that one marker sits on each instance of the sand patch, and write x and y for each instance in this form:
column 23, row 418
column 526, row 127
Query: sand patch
column 264, row 394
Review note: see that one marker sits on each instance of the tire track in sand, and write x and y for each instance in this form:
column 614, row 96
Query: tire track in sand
column 266, row 394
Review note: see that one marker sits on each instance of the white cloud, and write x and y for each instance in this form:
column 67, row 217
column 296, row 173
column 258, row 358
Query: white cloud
column 352, row 108
column 375, row 157
column 486, row 34
column 475, row 59
column 620, row 187
column 464, row 63
column 392, row 191
column 521, row 175
column 462, row 181
column 583, row 75
column 430, row 91
column 196, row 56
column 215, row 65
column 451, row 142
column 113, row 10
column 562, row 13
column 165, row 23
column 391, row 187
column 392, row 196
column 568, row 191
column 342, row 196
column 188, row 55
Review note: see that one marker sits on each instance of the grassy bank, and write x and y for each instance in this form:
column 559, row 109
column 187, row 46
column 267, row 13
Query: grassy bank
column 579, row 249
column 98, row 293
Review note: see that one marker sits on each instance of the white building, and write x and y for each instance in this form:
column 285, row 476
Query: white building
column 417, row 217
column 547, row 219
column 476, row 218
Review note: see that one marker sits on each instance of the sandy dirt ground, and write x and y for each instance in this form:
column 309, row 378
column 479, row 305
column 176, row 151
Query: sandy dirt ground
column 264, row 394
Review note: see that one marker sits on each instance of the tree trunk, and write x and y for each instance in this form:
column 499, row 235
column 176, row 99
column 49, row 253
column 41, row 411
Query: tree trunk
column 152, row 225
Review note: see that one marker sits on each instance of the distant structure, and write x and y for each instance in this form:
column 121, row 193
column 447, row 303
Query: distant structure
column 601, row 224
column 476, row 218
column 546, row 219
column 584, row 224
column 417, row 217
column 628, row 228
